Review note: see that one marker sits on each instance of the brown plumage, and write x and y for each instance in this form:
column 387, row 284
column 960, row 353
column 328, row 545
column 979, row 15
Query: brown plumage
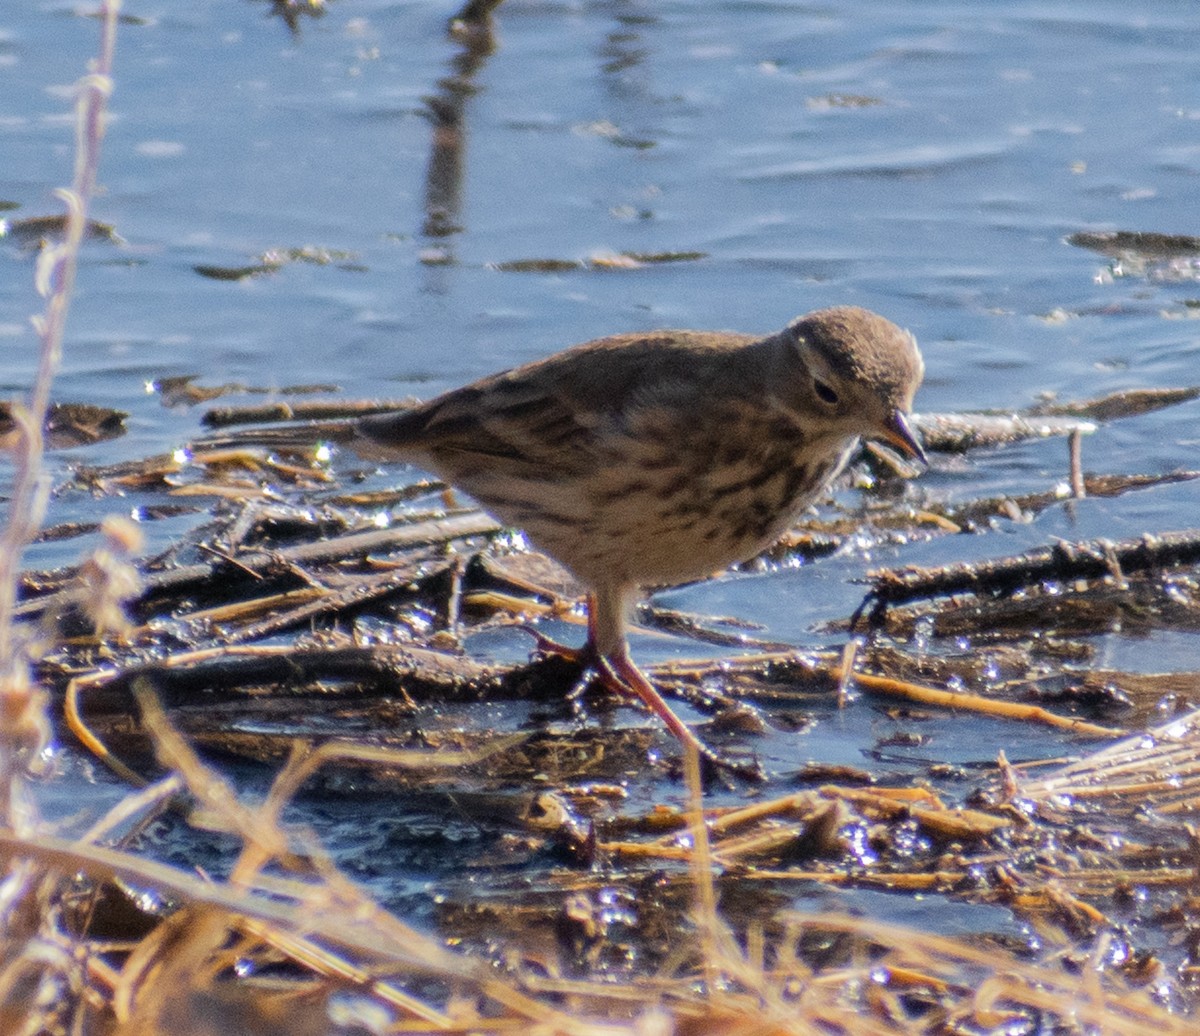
column 661, row 457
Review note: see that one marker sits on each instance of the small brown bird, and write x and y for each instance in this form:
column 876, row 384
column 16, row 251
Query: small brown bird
column 655, row 458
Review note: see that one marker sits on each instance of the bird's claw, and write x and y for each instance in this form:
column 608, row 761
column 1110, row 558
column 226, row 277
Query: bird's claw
column 544, row 645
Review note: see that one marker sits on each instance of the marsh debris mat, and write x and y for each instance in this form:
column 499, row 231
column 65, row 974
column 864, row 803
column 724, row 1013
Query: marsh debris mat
column 314, row 623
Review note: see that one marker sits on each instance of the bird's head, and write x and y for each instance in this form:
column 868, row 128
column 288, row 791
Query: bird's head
column 857, row 373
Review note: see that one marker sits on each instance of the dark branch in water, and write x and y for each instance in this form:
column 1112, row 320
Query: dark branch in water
column 1060, row 561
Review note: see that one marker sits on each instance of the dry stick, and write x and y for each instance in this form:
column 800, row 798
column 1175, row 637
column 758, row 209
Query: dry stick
column 1075, row 455
column 890, row 687
column 887, row 804
column 1126, row 403
column 311, row 410
column 220, row 615
column 958, row 433
column 985, row 508
column 1162, row 762
column 99, row 678
column 300, row 769
column 849, row 655
column 133, row 806
column 454, row 599
column 906, row 881
column 700, row 866
column 957, row 700
column 329, row 965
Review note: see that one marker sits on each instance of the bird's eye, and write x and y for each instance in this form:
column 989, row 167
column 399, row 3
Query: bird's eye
column 825, row 393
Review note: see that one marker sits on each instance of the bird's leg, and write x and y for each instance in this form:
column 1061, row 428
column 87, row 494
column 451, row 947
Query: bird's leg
column 620, row 674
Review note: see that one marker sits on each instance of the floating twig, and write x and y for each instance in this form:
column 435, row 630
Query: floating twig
column 964, row 702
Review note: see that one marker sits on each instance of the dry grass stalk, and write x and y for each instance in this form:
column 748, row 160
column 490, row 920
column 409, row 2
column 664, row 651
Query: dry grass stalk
column 40, row 977
column 1159, row 768
column 56, row 266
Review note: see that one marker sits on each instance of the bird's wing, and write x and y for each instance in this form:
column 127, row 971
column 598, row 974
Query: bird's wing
column 562, row 410
column 511, row 423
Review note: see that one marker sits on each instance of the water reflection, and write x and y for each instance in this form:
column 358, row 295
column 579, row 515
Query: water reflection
column 473, row 30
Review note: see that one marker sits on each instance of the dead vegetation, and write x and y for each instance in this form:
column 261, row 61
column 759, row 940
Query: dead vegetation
column 298, row 634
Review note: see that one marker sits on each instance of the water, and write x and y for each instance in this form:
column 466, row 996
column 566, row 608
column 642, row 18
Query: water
column 927, row 163
column 926, row 160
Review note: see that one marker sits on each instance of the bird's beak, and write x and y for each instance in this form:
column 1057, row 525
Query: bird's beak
column 898, row 433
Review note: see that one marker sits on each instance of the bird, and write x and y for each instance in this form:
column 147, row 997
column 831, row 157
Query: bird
column 654, row 458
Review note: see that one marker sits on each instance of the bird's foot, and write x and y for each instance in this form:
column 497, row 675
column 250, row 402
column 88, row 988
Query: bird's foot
column 620, row 674
column 582, row 656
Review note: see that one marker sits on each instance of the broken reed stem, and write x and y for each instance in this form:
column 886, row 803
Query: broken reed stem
column 849, row 656
column 55, row 280
column 1075, row 452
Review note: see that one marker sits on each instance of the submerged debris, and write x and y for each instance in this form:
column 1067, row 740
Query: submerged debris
column 1168, row 257
column 607, row 261
column 34, row 232
column 1147, row 244
column 277, row 258
column 1129, row 403
column 183, row 390
column 69, row 425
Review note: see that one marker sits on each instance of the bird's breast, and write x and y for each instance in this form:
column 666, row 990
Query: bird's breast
column 675, row 522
